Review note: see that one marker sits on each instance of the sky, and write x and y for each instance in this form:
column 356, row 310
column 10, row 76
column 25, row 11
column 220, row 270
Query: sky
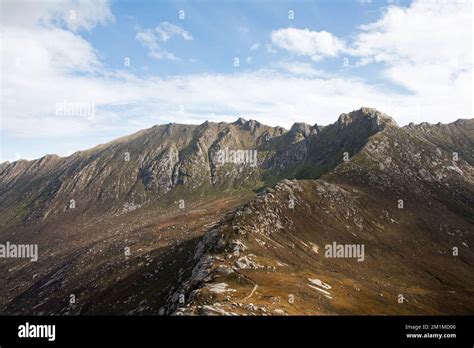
column 75, row 74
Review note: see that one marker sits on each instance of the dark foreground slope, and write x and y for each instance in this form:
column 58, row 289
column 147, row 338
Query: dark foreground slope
column 174, row 230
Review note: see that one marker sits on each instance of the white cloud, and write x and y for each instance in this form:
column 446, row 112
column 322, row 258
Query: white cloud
column 76, row 15
column 300, row 69
column 86, row 14
column 255, row 47
column 316, row 44
column 38, row 61
column 167, row 30
column 426, row 47
column 152, row 39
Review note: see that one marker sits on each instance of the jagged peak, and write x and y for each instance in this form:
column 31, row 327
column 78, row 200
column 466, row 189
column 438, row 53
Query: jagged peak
column 463, row 121
column 48, row 157
column 240, row 121
column 300, row 127
column 203, row 126
column 253, row 122
column 247, row 124
column 426, row 125
column 318, row 128
column 378, row 120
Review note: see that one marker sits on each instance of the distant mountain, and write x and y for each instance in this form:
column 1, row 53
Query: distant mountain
column 234, row 218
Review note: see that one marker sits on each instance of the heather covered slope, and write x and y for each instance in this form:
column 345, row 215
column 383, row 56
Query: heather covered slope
column 403, row 197
column 90, row 261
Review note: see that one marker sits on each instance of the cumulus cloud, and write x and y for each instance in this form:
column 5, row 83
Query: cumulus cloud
column 153, row 39
column 315, row 44
column 426, row 47
column 425, row 44
column 76, row 15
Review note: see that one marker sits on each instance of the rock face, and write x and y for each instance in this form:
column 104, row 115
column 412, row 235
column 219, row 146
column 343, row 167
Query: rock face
column 166, row 221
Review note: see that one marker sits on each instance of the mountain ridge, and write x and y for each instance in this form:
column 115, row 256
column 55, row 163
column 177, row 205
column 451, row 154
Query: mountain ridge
column 163, row 164
column 239, row 119
column 166, row 202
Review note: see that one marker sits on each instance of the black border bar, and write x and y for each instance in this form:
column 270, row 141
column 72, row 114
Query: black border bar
column 159, row 330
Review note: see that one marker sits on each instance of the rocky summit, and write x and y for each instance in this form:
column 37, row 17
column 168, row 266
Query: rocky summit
column 357, row 217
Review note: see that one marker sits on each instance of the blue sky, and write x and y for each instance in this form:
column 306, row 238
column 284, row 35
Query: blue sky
column 297, row 61
column 221, row 30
